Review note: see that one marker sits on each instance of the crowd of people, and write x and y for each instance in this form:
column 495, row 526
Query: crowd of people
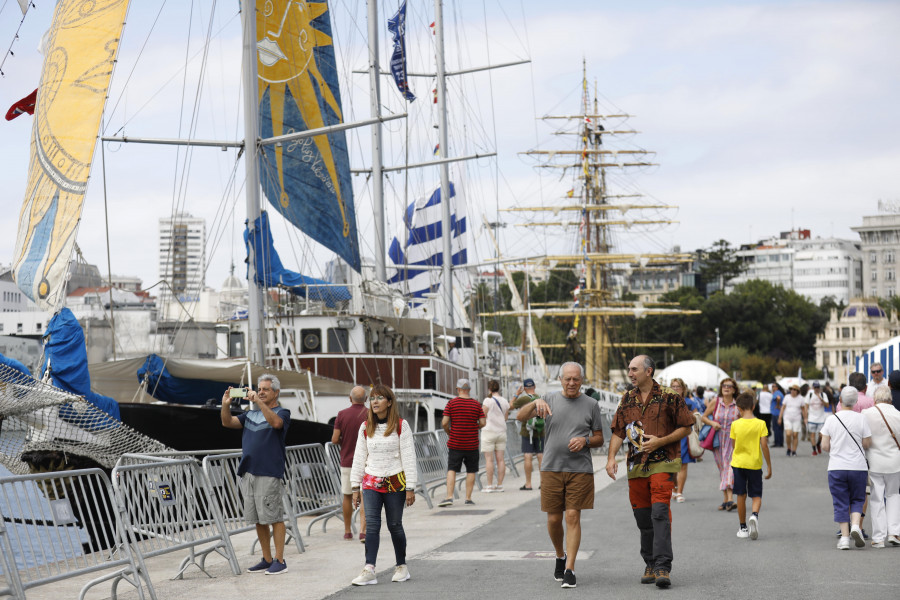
column 664, row 429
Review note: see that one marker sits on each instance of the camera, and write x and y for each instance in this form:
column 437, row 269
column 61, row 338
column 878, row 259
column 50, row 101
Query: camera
column 237, row 393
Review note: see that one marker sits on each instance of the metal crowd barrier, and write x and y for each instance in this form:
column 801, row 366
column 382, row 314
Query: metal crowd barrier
column 221, row 471
column 514, row 452
column 333, row 451
column 314, row 488
column 167, row 506
column 431, row 464
column 61, row 525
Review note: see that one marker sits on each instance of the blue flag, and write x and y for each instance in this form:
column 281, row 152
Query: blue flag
column 397, row 27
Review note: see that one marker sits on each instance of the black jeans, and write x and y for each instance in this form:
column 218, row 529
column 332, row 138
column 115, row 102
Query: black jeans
column 393, row 503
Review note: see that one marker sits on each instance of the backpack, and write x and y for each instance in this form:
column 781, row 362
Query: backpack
column 534, row 425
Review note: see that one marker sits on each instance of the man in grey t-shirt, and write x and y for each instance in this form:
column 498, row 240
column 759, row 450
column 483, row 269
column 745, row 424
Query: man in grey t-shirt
column 572, row 426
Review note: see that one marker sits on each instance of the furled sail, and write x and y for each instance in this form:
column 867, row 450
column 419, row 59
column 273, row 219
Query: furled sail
column 306, row 180
column 78, row 60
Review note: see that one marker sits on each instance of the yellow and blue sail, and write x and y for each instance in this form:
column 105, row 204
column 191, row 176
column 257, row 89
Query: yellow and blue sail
column 306, row 180
column 79, row 55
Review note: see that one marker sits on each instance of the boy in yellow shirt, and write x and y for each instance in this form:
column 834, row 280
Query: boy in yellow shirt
column 751, row 443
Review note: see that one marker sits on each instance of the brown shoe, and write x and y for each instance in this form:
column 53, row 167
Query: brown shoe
column 662, row 578
column 649, row 576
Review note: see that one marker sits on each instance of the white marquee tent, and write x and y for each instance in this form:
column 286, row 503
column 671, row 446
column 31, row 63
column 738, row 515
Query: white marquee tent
column 694, row 373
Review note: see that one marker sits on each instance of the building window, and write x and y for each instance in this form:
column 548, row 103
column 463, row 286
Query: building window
column 18, row 328
column 889, row 275
column 888, row 256
column 845, row 332
column 37, row 327
column 873, row 257
column 874, row 275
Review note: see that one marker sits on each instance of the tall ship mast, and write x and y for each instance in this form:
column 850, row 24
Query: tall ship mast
column 602, row 213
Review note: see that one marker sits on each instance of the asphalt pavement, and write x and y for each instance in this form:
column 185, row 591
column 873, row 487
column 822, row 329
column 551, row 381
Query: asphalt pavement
column 795, row 556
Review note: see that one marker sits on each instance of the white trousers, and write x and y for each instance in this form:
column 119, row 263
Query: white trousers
column 884, row 505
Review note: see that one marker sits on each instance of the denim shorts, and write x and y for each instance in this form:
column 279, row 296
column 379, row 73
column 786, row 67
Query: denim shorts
column 747, row 481
column 532, row 444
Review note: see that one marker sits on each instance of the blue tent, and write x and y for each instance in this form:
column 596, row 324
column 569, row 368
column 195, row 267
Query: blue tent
column 64, row 349
column 270, row 272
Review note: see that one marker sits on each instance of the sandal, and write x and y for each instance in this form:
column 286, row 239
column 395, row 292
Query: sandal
column 526, row 488
column 723, row 506
column 731, row 506
column 679, row 497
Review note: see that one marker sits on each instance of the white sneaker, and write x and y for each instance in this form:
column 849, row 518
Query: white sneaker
column 401, row 573
column 487, row 489
column 843, row 543
column 743, row 532
column 498, row 488
column 877, row 544
column 857, row 535
column 893, row 540
column 367, row 577
column 753, row 524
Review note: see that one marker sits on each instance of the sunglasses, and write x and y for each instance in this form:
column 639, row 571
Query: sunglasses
column 727, row 385
column 876, row 370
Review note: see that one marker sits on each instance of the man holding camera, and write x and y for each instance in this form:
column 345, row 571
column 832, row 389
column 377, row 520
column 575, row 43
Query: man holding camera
column 262, row 465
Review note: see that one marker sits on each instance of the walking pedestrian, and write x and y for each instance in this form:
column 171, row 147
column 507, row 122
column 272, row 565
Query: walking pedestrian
column 493, row 436
column 463, row 417
column 532, row 433
column 816, row 403
column 695, row 406
column 720, row 414
column 346, row 428
column 845, row 435
column 751, row 445
column 654, row 421
column 791, row 418
column 777, row 426
column 384, row 472
column 883, row 455
column 573, row 426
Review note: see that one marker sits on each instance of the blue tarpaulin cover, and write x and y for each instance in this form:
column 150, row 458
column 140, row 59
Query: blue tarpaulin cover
column 162, row 385
column 14, row 364
column 270, row 272
column 64, row 348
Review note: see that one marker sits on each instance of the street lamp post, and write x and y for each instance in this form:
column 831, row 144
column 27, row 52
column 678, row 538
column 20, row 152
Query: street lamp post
column 717, row 347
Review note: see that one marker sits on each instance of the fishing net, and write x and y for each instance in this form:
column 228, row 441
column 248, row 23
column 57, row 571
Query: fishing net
column 45, row 428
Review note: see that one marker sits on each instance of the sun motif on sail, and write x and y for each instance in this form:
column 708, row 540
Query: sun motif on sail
column 286, row 40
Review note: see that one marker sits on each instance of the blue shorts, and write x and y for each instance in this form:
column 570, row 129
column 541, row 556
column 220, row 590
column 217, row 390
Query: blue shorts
column 747, row 482
column 848, row 493
column 529, row 447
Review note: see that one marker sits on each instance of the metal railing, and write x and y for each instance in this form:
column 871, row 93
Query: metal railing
column 167, row 505
column 314, row 488
column 221, row 471
column 333, row 451
column 61, row 525
column 431, row 464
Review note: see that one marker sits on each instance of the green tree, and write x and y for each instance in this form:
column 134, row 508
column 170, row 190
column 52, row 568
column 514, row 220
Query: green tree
column 757, row 367
column 720, row 264
column 730, row 358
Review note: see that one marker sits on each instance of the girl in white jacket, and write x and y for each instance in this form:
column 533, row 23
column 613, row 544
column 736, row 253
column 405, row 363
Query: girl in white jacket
column 384, row 471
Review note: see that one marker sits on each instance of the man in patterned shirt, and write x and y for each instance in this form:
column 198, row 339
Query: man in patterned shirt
column 463, row 417
column 654, row 419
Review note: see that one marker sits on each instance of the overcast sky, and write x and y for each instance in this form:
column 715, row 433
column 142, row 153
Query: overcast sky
column 763, row 115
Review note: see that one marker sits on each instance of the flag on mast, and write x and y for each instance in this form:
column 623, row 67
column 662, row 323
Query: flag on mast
column 397, row 27
column 420, row 243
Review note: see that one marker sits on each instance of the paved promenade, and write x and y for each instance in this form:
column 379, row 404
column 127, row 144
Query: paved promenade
column 499, row 549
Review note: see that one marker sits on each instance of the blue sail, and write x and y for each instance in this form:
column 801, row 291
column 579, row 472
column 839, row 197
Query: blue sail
column 306, row 180
column 270, row 272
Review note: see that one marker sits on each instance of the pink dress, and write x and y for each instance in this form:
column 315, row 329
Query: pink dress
column 725, row 416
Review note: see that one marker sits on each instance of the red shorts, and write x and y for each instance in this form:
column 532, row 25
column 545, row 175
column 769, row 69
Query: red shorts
column 645, row 491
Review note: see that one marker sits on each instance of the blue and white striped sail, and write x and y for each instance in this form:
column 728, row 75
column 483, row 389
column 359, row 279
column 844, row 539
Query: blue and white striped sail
column 420, row 243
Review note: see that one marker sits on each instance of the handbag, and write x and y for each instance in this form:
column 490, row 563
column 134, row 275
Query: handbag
column 710, row 440
column 695, row 450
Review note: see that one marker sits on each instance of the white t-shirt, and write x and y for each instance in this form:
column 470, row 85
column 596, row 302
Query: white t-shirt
column 816, row 404
column 884, row 456
column 791, row 408
column 872, row 386
column 495, row 416
column 846, row 453
column 765, row 403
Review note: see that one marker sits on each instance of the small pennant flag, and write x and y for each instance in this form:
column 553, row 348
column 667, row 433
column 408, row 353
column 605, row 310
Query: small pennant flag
column 437, row 149
column 570, row 193
column 25, row 105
